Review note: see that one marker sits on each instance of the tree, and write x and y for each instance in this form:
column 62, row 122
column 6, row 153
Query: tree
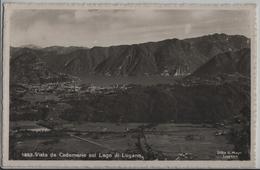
column 240, row 133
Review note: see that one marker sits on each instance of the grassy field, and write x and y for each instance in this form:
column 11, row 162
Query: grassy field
column 168, row 139
column 201, row 142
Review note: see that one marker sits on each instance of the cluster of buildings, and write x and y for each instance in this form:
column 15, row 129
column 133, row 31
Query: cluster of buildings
column 105, row 89
column 54, row 86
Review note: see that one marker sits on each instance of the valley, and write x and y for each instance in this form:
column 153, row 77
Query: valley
column 188, row 93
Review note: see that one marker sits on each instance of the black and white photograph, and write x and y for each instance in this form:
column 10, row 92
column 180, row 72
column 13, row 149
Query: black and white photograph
column 130, row 84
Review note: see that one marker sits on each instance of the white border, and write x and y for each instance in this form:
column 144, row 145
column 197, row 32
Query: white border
column 122, row 164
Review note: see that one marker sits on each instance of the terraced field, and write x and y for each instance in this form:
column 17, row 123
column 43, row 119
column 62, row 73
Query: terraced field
column 170, row 140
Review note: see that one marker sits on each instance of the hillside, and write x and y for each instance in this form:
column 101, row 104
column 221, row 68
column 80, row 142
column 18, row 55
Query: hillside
column 195, row 103
column 28, row 68
column 226, row 63
column 167, row 57
column 216, row 89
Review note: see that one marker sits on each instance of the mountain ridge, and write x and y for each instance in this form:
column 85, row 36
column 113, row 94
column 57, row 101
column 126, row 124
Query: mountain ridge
column 166, row 57
column 188, row 39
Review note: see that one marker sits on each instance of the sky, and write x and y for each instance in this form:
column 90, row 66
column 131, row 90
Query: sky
column 109, row 27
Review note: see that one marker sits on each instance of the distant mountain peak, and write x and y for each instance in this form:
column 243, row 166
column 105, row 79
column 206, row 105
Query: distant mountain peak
column 31, row 46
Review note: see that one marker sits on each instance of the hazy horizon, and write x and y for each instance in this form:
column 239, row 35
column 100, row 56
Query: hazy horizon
column 102, row 28
column 80, row 46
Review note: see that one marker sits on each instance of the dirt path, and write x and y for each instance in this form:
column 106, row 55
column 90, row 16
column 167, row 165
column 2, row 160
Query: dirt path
column 92, row 142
